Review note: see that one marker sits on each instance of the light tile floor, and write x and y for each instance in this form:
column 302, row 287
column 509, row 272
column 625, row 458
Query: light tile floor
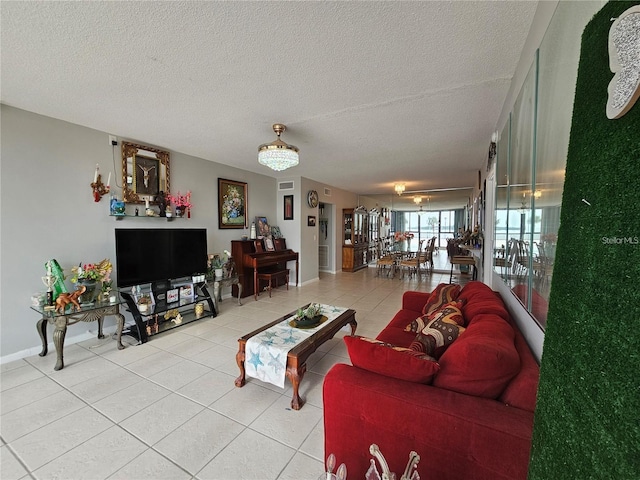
column 169, row 409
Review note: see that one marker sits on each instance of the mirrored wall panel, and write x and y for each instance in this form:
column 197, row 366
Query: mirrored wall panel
column 531, row 159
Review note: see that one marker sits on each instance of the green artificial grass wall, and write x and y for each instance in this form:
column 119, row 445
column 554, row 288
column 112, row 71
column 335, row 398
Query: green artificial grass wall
column 587, row 420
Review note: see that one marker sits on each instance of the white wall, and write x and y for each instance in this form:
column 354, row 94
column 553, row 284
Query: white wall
column 47, row 211
column 339, row 199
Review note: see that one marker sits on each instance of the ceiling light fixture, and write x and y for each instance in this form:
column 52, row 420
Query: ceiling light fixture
column 417, row 200
column 399, row 188
column 278, row 155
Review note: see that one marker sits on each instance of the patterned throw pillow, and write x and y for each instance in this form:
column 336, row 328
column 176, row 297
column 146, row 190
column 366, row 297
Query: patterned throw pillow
column 440, row 332
column 441, row 295
column 418, row 324
column 451, row 311
column 390, row 360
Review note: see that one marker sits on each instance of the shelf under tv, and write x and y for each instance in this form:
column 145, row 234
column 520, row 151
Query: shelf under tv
column 154, row 322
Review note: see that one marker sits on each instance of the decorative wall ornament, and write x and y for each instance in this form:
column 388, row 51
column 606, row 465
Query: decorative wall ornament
column 624, row 61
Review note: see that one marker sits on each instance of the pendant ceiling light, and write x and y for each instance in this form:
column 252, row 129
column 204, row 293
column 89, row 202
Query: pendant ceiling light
column 399, row 188
column 278, row 155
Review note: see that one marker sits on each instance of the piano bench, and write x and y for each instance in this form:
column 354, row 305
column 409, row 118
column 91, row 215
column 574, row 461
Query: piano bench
column 270, row 276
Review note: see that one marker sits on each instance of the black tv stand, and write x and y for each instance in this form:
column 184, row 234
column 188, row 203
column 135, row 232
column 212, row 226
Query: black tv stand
column 154, row 320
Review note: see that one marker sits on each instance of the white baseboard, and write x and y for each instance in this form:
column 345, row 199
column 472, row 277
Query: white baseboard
column 29, row 352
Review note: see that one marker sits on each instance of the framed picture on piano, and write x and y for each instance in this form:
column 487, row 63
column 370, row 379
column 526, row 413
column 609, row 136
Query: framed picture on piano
column 232, row 204
column 268, row 245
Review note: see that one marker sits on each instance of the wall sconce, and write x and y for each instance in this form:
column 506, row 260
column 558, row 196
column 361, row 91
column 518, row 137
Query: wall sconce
column 98, row 188
column 399, row 188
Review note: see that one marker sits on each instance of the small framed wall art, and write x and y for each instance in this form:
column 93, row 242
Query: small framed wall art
column 288, row 207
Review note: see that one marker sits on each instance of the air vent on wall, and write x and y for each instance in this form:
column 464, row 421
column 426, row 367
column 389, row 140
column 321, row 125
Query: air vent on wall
column 327, row 191
column 285, row 185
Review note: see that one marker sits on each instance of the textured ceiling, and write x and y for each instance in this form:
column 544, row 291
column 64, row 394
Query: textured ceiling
column 372, row 93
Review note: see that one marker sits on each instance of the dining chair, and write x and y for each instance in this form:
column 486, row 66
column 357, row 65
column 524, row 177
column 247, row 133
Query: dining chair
column 412, row 265
column 384, row 263
column 541, row 264
column 522, row 259
column 385, row 260
column 463, row 260
column 430, row 249
column 422, row 256
column 505, row 257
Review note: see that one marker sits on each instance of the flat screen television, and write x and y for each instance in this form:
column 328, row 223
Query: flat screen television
column 148, row 255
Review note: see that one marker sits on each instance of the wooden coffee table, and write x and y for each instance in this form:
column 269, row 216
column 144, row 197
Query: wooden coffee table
column 298, row 355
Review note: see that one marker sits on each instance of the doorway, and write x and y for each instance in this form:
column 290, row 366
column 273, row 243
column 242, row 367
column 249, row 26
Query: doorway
column 326, row 240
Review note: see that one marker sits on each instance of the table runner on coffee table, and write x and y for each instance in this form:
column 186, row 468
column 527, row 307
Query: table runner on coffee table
column 266, row 352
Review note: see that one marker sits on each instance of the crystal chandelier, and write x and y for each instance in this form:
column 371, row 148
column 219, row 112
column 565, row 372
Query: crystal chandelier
column 278, row 155
column 399, row 188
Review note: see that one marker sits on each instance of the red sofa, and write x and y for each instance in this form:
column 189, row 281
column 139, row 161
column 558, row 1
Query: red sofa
column 473, row 421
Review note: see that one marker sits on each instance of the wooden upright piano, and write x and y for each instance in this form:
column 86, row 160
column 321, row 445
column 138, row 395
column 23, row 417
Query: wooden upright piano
column 251, row 256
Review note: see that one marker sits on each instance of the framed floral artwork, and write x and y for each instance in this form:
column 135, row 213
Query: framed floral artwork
column 232, row 204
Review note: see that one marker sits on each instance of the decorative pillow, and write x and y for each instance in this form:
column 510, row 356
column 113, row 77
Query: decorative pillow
column 386, row 359
column 418, row 324
column 441, row 295
column 451, row 311
column 440, row 332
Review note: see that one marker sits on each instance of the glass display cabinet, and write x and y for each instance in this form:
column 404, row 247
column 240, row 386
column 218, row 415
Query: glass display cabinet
column 374, row 236
column 355, row 239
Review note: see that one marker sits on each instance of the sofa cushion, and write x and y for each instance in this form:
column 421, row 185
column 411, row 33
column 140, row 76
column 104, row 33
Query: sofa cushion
column 394, row 332
column 482, row 361
column 392, row 361
column 412, row 300
column 477, row 298
column 441, row 295
column 523, row 389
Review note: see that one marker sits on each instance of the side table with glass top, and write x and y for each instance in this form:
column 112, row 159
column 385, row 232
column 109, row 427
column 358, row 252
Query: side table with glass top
column 88, row 313
column 223, row 281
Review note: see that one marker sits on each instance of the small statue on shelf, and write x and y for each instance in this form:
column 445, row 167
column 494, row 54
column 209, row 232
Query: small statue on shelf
column 65, row 299
column 162, row 203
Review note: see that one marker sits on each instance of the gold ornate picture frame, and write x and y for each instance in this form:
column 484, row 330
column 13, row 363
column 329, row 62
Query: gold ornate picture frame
column 145, row 172
column 232, row 204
